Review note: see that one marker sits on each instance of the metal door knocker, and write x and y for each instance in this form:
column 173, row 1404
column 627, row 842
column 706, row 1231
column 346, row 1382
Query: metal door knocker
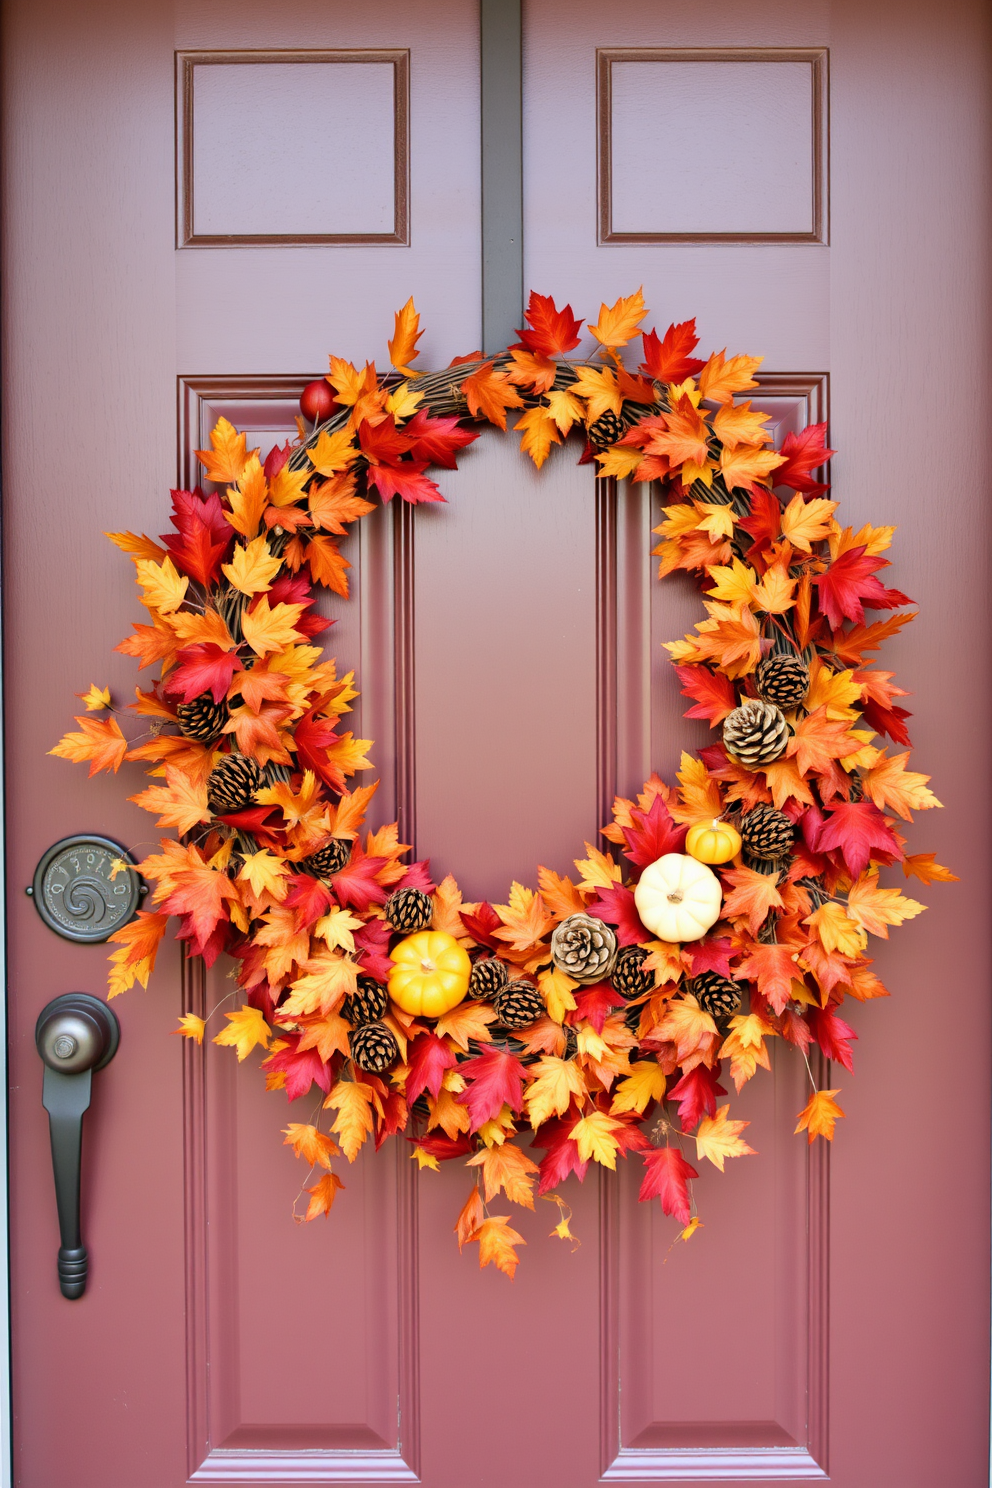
column 86, row 887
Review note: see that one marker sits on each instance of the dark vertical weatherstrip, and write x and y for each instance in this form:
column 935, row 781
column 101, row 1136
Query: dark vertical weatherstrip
column 502, row 173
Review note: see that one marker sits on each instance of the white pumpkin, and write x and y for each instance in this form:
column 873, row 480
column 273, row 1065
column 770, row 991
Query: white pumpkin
column 678, row 898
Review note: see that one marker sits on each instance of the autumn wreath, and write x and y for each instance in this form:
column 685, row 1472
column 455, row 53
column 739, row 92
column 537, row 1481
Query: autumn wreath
column 598, row 1011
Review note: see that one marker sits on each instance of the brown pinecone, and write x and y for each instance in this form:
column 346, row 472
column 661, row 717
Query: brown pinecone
column 518, row 1005
column 766, row 833
column 607, row 429
column 409, row 910
column 233, row 782
column 584, row 948
column 489, row 976
column 716, row 994
column 202, row 719
column 374, row 1048
column 756, row 733
column 366, row 1004
column 783, row 680
column 628, row 978
column 329, row 859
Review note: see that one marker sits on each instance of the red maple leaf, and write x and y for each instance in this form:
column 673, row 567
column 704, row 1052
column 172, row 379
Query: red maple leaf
column 667, row 1179
column 200, row 943
column 765, row 522
column 427, row 1057
column 371, row 943
column 696, row 1095
column 849, row 585
column 444, row 1148
column 710, row 955
column 493, row 1077
column 553, row 332
column 653, row 834
column 310, row 899
column 314, row 736
column 395, row 1113
column 855, row 828
column 383, row 444
column 803, row 453
column 629, row 1135
column 594, row 1004
column 254, row 819
column 437, row 440
column 407, row 480
column 203, row 668
column 205, row 535
column 713, row 693
column 355, row 886
column 418, row 876
column 481, row 923
column 795, row 1029
column 562, row 1153
column 832, row 1034
column 669, row 360
column 301, row 1070
column 616, row 907
column 887, row 720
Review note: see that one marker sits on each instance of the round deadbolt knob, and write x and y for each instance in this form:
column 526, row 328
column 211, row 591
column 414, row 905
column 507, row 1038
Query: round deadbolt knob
column 77, row 1032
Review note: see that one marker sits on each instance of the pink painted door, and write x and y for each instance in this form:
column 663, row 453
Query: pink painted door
column 811, row 182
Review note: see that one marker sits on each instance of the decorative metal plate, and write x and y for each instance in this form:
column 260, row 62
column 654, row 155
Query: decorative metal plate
column 78, row 894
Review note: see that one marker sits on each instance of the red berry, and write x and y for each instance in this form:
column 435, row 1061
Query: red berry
column 317, row 401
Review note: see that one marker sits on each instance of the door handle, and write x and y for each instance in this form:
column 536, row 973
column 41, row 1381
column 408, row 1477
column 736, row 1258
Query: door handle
column 75, row 1035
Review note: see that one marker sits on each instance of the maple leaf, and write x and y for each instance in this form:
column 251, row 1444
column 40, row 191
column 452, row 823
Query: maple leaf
column 469, row 1020
column 553, row 332
column 204, row 535
column 688, row 1026
column 925, row 867
column 556, row 989
column 652, row 834
column 645, row 1083
column 227, row 457
column 205, row 667
column 699, row 794
column 836, row 931
column 506, row 1167
column 740, row 467
column 667, row 1179
column 356, row 886
column 406, row 480
column 99, row 741
column 807, row 522
column 268, row 629
column 719, row 379
column 618, row 323
column 718, row 1138
column 739, row 423
column 849, row 585
column 538, row 432
column 199, row 891
column 804, row 453
column 530, row 371
column 136, row 545
column 327, row 1033
column 695, row 1095
column 684, row 435
column 559, row 894
column 753, row 895
column 323, row 1193
column 138, row 941
column 252, row 568
column 617, row 462
column 552, row 1089
column 856, row 828
column 525, row 919
column 181, row 802
column 562, row 1154
column 773, row 967
column 427, row 1059
column 333, row 503
column 190, row 1026
column 96, row 699
column 150, row 643
column 616, row 906
column 668, row 360
column 311, row 1145
column 894, row 788
column 489, row 394
column 712, row 692
column 496, row 1241
column 437, row 440
column 332, row 452
column 874, row 909
column 745, row 1047
column 818, row 1116
column 595, row 1137
column 819, row 739
column 353, row 1123
column 710, row 955
column 832, row 1034
column 492, row 1079
column 329, row 977
column 406, row 334
column 471, row 1217
column 246, row 1028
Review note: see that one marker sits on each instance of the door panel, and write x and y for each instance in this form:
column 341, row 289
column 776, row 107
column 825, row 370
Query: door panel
column 508, row 647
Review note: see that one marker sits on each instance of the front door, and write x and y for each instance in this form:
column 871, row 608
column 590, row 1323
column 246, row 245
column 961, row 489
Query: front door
column 201, row 204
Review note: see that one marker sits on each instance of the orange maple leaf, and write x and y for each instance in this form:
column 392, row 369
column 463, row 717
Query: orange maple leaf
column 353, row 1123
column 406, row 334
column 135, row 960
column 99, row 741
column 720, row 380
column 752, row 896
column 328, row 564
column 489, row 394
column 509, row 1169
column 470, row 1218
column 496, row 1241
column 333, row 503
column 228, row 454
column 818, row 1116
column 819, row 740
column 324, row 1193
column 181, row 802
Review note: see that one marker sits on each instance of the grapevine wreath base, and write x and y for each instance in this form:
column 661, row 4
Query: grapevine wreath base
column 592, row 1016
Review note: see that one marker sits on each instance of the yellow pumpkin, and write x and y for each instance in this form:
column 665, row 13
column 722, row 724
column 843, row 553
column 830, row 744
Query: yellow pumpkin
column 430, row 975
column 713, row 841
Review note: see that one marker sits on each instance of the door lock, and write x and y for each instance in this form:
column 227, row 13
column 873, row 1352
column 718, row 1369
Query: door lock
column 75, row 1035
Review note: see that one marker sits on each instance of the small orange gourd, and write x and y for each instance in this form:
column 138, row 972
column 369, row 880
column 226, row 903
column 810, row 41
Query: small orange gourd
column 430, row 973
column 713, row 841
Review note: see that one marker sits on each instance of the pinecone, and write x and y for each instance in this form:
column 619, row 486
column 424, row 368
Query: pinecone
column 233, row 782
column 329, row 859
column 756, row 733
column 366, row 1004
column 489, row 976
column 607, row 429
column 628, row 978
column 766, row 833
column 584, row 948
column 783, row 680
column 409, row 910
column 518, row 1005
column 716, row 994
column 571, row 1042
column 374, row 1048
column 202, row 719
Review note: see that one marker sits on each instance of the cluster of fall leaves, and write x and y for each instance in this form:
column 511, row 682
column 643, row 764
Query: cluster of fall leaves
column 229, row 595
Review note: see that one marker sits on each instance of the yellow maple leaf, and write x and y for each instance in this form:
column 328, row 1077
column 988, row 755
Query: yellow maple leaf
column 311, row 1145
column 594, row 1137
column 508, row 1169
column 556, row 987
column 286, row 487
column 496, row 1241
column 835, row 691
column 744, row 465
column 819, row 1114
column 249, row 498
column 266, row 874
column 619, row 461
column 245, row 1029
column 559, row 894
column 335, row 929
column 565, row 408
column 181, row 802
column 645, row 1083
column 776, row 592
column 874, row 909
column 525, row 919
column 332, row 452
column 555, row 1082
column 618, row 323
column 406, row 334
column 538, row 432
column 425, row 1159
column 193, row 629
column 96, row 699
column 226, row 458
column 599, row 387
column 267, row 630
column 735, row 424
column 353, row 1121
column 190, row 1026
column 699, row 794
column 137, row 545
column 835, row 930
column 745, row 1047
column 164, row 588
column 719, row 521
column 328, row 978
column 807, row 522
column 598, row 870
column 734, row 584
column 720, row 380
column 717, row 1138
column 252, row 568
